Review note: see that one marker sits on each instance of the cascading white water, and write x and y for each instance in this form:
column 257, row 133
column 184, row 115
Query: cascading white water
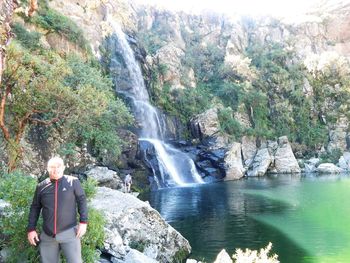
column 179, row 167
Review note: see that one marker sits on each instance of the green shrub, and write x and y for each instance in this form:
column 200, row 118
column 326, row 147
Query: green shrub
column 228, row 124
column 332, row 156
column 89, row 187
column 18, row 190
column 30, row 40
column 55, row 22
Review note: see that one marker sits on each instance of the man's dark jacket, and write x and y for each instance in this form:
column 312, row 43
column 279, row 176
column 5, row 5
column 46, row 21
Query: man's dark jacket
column 58, row 200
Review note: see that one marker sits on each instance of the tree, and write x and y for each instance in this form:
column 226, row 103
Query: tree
column 31, row 93
column 6, row 12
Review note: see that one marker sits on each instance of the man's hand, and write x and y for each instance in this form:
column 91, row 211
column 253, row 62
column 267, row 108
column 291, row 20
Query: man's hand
column 81, row 230
column 33, row 238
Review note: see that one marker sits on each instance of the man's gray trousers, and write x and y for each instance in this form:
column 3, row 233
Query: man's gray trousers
column 66, row 241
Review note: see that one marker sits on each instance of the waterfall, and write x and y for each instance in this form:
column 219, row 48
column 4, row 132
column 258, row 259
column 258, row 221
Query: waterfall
column 175, row 167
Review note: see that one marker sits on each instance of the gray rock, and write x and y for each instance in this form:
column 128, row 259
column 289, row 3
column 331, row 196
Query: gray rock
column 205, row 124
column 135, row 256
column 329, row 168
column 170, row 55
column 344, row 161
column 131, row 222
column 233, row 162
column 3, row 205
column 4, row 255
column 285, row 161
column 337, row 135
column 248, row 149
column 261, row 163
column 105, row 177
column 310, row 165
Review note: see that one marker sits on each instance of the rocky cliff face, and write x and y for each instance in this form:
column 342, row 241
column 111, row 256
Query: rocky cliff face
column 165, row 40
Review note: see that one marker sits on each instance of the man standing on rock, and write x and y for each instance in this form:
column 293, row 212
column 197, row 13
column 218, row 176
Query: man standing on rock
column 58, row 197
column 127, row 183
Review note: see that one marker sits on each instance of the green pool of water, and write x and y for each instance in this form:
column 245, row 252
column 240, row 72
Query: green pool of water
column 307, row 218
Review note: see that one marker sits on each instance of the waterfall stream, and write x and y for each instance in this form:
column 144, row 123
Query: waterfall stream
column 175, row 167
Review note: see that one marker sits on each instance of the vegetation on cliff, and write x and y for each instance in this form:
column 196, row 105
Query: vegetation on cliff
column 64, row 92
column 269, row 83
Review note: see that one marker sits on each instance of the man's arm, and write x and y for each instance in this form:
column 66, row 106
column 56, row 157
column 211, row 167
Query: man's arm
column 33, row 217
column 34, row 212
column 82, row 208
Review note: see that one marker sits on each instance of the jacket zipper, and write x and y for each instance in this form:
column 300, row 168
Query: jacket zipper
column 55, row 212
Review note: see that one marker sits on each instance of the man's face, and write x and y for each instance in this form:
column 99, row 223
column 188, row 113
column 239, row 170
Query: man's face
column 55, row 170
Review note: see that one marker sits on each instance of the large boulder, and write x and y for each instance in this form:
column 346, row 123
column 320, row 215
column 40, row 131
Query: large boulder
column 338, row 134
column 261, row 163
column 170, row 55
column 131, row 223
column 233, row 162
column 105, row 177
column 344, row 161
column 205, row 124
column 248, row 149
column 329, row 168
column 285, row 161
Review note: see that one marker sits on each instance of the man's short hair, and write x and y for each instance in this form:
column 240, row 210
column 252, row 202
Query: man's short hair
column 55, row 159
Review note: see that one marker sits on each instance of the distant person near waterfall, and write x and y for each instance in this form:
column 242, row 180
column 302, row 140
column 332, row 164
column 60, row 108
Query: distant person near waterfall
column 127, row 183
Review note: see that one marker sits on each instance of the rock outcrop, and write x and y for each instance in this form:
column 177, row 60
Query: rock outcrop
column 105, row 177
column 133, row 224
column 328, row 168
column 248, row 149
column 233, row 162
column 205, row 124
column 344, row 161
column 261, row 163
column 337, row 135
column 284, row 159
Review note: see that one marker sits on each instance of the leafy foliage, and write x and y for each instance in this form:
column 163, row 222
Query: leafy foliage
column 30, row 40
column 55, row 22
column 228, row 124
column 18, row 191
column 67, row 93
